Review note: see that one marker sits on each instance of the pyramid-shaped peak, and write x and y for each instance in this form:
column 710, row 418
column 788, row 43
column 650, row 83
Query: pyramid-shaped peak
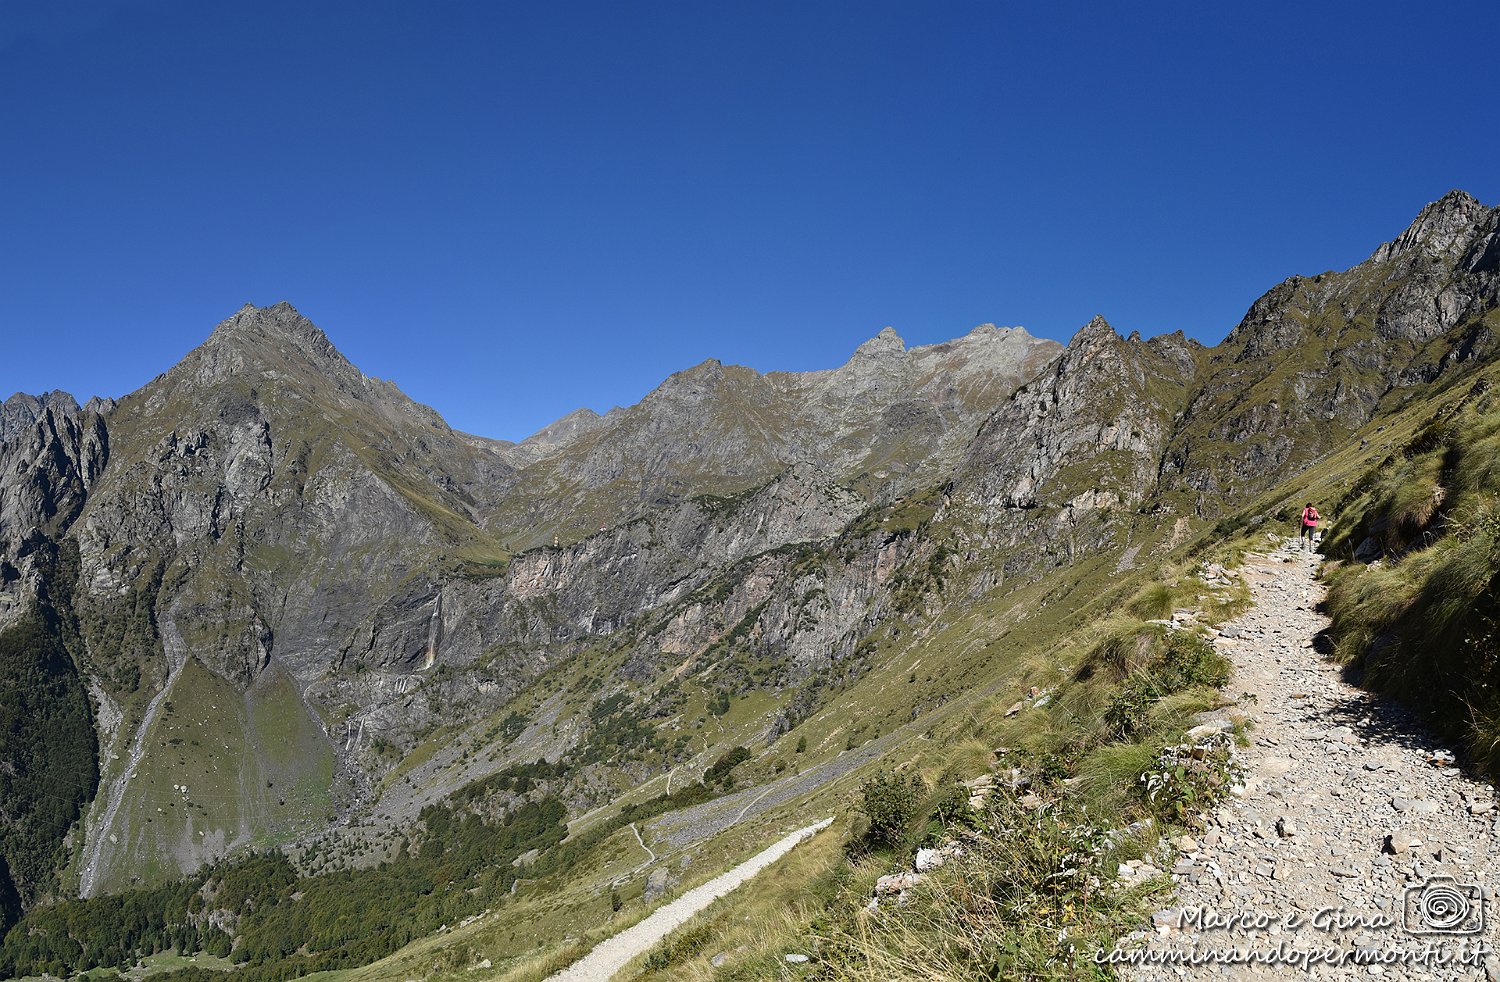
column 1456, row 199
column 566, row 428
column 1096, row 330
column 280, row 326
column 279, row 318
column 1454, row 208
column 886, row 343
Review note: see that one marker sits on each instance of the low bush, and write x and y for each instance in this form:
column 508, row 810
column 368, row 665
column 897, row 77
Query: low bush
column 889, row 803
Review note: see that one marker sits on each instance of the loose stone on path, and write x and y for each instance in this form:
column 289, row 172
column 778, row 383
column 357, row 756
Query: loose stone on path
column 1350, row 810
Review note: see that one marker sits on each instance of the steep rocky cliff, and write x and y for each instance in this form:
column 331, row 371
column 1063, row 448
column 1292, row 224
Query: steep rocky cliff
column 51, row 454
column 1077, row 445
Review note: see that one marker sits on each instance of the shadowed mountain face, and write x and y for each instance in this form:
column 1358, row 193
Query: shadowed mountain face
column 276, row 577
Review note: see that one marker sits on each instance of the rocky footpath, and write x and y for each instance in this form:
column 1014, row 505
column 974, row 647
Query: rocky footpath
column 1355, row 846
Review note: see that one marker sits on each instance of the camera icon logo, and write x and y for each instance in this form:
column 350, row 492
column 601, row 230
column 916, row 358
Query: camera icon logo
column 1442, row 905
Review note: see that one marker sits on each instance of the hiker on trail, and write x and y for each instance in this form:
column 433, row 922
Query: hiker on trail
column 1310, row 518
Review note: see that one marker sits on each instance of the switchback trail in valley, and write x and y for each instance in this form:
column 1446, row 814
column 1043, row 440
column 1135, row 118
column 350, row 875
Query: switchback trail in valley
column 612, row 954
column 1357, row 849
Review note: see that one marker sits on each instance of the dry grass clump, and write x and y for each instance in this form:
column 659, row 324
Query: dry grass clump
column 1422, row 621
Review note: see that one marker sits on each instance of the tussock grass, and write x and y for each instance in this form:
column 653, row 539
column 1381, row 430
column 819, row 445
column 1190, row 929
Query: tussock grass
column 1108, row 776
column 1175, row 711
column 1226, row 605
column 964, row 759
column 1025, row 900
column 1422, row 622
column 1127, row 647
column 1156, row 601
column 538, row 967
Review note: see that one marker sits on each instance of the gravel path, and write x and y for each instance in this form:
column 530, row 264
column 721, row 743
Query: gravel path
column 612, row 954
column 648, row 849
column 1351, row 812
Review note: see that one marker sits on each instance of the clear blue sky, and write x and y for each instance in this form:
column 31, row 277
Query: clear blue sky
column 516, row 209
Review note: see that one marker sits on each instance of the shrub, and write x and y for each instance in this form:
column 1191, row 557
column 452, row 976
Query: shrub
column 1185, row 777
column 719, row 704
column 718, row 772
column 1152, row 662
column 890, row 803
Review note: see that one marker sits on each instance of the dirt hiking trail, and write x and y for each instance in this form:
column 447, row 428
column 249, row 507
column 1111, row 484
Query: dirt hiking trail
column 1357, row 848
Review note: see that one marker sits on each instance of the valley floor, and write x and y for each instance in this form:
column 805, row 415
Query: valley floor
column 1356, row 837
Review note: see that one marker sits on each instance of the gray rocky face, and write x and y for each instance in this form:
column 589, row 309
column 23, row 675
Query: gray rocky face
column 549, row 602
column 47, row 468
column 557, row 436
column 21, row 410
column 1076, row 446
column 1316, row 357
column 886, row 422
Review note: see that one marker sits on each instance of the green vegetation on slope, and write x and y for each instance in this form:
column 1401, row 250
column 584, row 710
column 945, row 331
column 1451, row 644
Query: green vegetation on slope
column 284, row 926
column 48, row 752
column 1423, row 622
column 1101, row 756
column 222, row 770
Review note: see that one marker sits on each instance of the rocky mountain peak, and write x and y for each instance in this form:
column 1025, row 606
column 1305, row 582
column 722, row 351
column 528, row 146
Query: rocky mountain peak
column 579, row 420
column 1442, row 229
column 280, row 324
column 1096, row 332
column 988, row 330
column 558, row 434
column 273, row 342
column 22, row 409
column 883, row 345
